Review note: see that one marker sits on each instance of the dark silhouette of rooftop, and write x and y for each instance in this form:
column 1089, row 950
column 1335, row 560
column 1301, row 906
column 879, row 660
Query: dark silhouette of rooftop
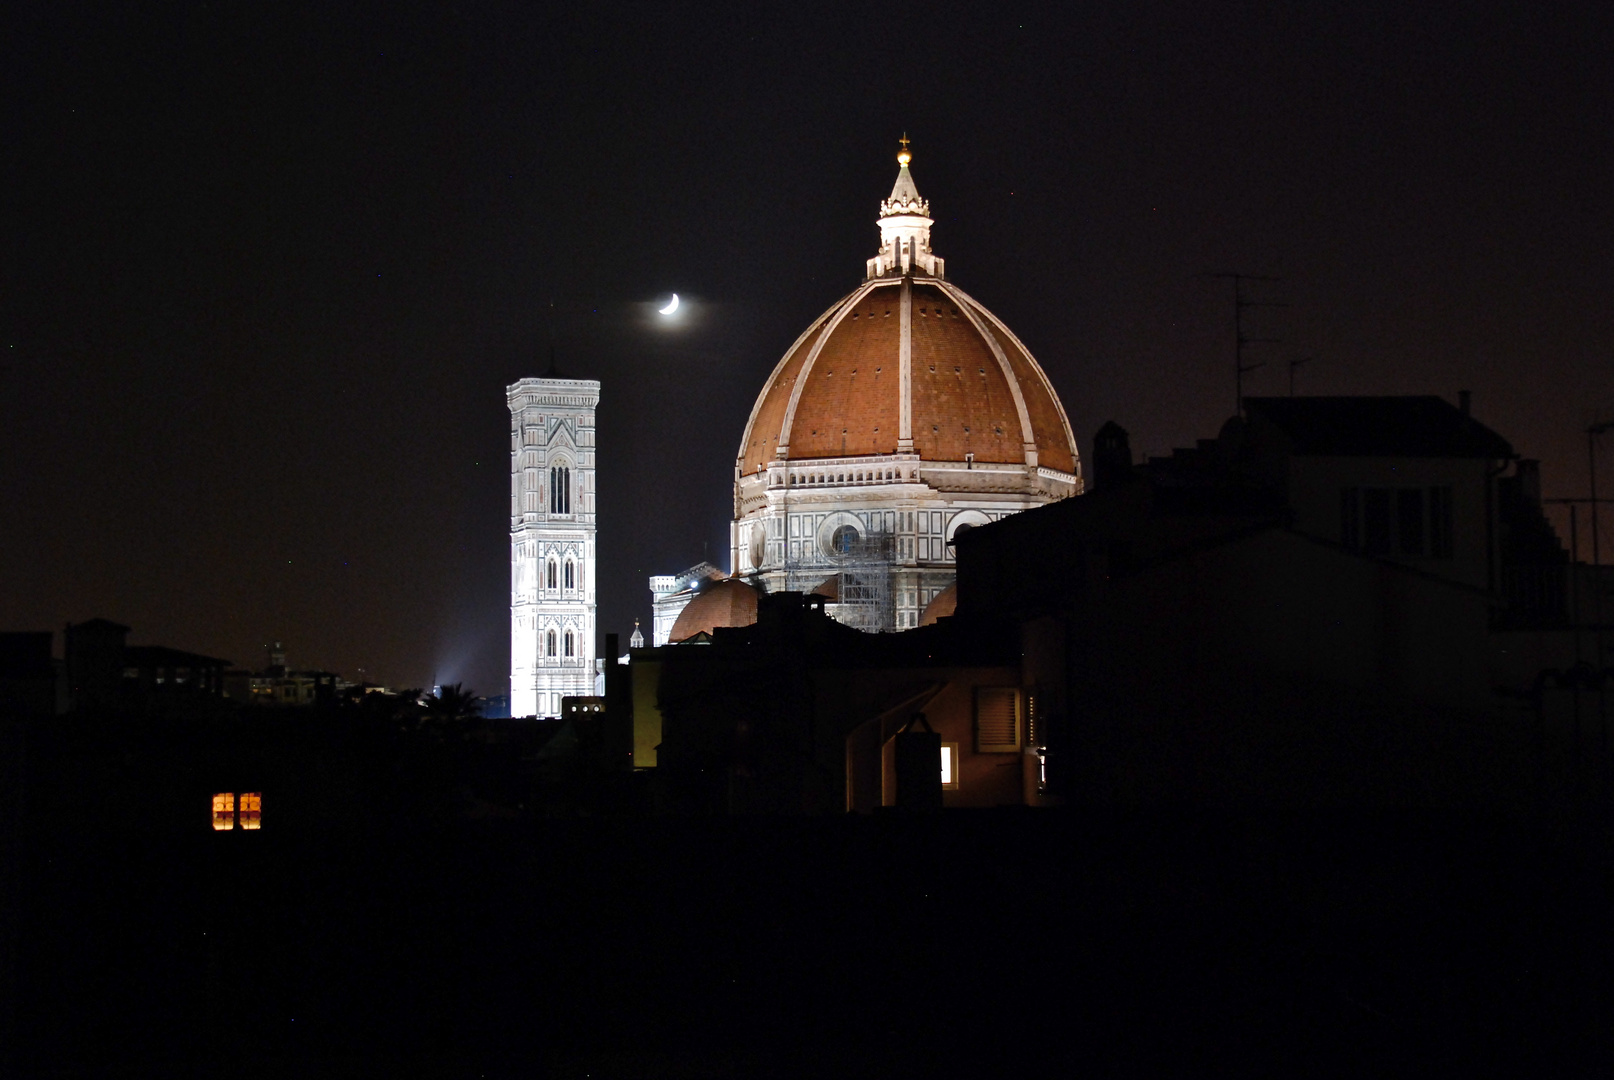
column 1421, row 426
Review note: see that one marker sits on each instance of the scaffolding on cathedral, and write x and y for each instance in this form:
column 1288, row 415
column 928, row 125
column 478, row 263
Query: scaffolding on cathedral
column 864, row 597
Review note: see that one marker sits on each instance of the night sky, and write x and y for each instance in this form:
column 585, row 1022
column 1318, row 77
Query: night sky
column 265, row 271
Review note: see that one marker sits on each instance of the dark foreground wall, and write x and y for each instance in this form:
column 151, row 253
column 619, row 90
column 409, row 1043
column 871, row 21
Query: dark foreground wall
column 970, row 943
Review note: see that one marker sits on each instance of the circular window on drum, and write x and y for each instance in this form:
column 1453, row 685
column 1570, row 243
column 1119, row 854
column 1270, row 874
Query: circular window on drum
column 838, row 535
column 963, row 522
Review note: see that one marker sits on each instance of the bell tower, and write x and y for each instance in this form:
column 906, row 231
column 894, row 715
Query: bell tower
column 552, row 542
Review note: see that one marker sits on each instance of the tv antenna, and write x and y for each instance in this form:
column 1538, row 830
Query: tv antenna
column 1293, row 364
column 1240, row 368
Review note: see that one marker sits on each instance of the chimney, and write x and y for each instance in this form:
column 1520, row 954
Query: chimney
column 1112, row 456
column 1529, row 473
column 1463, row 399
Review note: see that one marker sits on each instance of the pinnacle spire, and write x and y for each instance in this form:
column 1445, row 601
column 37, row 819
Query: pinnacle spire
column 904, row 193
column 905, row 226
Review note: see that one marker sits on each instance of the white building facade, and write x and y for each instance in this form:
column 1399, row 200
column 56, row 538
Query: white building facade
column 553, row 553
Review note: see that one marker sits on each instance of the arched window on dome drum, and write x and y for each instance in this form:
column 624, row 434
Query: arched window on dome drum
column 549, row 642
column 571, row 574
column 551, row 578
column 569, row 650
column 560, row 490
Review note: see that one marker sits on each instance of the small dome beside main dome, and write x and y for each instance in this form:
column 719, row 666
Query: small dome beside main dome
column 942, row 607
column 729, row 602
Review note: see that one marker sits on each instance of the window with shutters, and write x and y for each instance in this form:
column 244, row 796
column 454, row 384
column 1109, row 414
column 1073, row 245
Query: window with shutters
column 997, row 719
column 1376, row 521
column 1440, row 546
column 1350, row 517
column 1410, row 520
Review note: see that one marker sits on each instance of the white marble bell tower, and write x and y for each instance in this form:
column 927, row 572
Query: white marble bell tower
column 552, row 545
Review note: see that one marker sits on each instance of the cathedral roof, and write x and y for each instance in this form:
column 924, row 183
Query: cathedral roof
column 730, row 602
column 908, row 362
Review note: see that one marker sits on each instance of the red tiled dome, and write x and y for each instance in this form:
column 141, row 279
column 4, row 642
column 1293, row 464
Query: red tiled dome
column 730, row 602
column 975, row 389
column 943, row 605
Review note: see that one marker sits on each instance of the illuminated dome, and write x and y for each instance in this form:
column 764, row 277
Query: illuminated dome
column 909, row 363
column 905, row 413
column 730, row 602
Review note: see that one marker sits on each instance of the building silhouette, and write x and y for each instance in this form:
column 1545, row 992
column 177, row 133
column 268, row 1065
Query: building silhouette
column 1310, row 610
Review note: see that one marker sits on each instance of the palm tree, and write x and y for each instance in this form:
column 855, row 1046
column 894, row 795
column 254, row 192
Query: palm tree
column 453, row 704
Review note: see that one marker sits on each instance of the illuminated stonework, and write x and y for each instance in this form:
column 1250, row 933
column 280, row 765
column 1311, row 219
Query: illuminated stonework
column 905, row 414
column 552, row 545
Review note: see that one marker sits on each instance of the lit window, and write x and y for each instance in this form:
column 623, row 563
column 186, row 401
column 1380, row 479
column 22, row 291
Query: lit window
column 224, row 811
column 251, row 809
column 949, row 766
column 997, row 719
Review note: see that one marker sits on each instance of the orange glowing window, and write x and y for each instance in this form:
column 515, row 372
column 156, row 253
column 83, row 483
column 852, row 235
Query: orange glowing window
column 251, row 809
column 224, row 811
column 949, row 766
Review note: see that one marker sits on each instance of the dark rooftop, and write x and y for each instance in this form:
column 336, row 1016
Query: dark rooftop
column 1423, row 426
column 163, row 656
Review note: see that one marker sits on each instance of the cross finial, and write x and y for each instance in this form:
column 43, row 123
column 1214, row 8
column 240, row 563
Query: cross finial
column 903, row 156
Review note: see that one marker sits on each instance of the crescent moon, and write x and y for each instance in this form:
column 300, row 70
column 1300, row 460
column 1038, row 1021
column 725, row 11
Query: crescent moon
column 671, row 306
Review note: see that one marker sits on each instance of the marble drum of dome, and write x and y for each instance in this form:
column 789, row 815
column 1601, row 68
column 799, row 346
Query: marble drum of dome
column 904, row 414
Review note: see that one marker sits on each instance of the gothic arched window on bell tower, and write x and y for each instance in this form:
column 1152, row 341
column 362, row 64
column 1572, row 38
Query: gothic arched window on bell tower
column 551, row 580
column 560, row 490
column 571, row 575
column 569, row 649
column 549, row 642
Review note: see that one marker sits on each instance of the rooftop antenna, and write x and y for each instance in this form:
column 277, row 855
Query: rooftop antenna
column 1293, row 364
column 553, row 372
column 1592, row 432
column 1240, row 368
